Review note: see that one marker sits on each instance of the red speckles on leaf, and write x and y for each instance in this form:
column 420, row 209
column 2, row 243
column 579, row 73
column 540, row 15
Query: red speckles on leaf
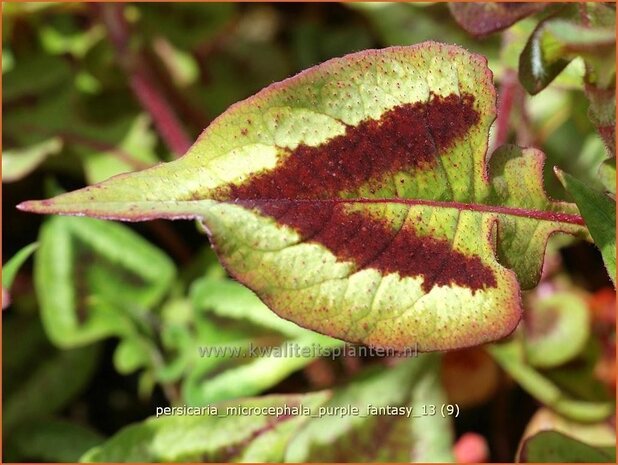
column 407, row 137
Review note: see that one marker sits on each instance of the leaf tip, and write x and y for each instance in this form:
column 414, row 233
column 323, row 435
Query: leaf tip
column 561, row 175
column 35, row 206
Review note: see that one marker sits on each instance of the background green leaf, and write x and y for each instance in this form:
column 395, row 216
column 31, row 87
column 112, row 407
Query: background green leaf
column 553, row 447
column 93, row 278
column 52, row 440
column 60, row 377
column 74, row 114
column 510, row 356
column 599, row 211
column 10, row 268
column 551, row 321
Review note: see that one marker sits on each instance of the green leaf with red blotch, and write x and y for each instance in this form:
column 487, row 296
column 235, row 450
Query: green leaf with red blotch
column 356, row 200
column 483, row 18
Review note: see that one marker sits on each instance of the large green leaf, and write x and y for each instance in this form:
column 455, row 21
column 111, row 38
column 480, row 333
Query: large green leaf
column 93, row 277
column 355, row 199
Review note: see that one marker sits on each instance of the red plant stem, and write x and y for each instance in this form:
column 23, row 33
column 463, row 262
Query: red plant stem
column 142, row 82
column 186, row 110
column 560, row 217
column 583, row 15
column 167, row 123
column 508, row 88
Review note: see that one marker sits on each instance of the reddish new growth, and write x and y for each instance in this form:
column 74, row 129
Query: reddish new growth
column 483, row 18
column 407, row 137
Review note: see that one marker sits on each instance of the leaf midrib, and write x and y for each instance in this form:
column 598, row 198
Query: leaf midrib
column 541, row 215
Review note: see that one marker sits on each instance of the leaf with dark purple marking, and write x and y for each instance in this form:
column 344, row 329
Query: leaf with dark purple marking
column 482, row 18
column 356, row 200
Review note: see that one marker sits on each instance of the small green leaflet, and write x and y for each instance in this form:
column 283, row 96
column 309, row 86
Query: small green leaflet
column 356, row 199
column 599, row 211
column 92, row 277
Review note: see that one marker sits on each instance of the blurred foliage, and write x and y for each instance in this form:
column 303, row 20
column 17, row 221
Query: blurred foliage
column 140, row 301
column 553, row 446
column 599, row 212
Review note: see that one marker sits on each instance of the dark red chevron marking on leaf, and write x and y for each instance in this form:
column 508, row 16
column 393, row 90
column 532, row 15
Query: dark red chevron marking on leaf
column 407, row 137
column 370, row 243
